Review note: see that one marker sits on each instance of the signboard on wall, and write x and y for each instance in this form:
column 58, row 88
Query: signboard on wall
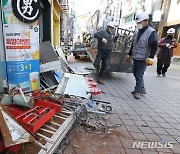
column 117, row 12
column 22, row 50
column 27, row 11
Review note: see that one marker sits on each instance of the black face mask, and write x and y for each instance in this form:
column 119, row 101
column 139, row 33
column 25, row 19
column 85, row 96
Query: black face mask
column 170, row 36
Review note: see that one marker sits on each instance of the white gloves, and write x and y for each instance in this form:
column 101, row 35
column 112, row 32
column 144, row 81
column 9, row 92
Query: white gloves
column 168, row 45
column 104, row 40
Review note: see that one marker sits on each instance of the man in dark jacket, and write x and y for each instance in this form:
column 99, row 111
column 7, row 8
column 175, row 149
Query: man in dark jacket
column 143, row 50
column 106, row 39
column 165, row 53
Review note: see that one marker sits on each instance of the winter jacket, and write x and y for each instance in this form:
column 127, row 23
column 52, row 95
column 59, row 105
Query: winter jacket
column 141, row 49
column 110, row 37
column 162, row 45
column 151, row 42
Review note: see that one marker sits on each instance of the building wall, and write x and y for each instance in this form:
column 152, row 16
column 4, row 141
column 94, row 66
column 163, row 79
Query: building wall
column 55, row 23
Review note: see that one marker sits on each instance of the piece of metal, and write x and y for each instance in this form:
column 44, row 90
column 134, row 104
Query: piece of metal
column 22, row 100
column 61, row 117
column 48, row 131
column 45, row 138
column 6, row 100
column 72, row 87
column 55, row 123
column 59, row 135
column 50, row 127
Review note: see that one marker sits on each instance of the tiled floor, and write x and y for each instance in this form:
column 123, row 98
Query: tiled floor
column 155, row 117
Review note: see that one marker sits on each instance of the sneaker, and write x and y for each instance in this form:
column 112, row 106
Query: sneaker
column 158, row 75
column 143, row 91
column 136, row 95
column 164, row 75
column 100, row 81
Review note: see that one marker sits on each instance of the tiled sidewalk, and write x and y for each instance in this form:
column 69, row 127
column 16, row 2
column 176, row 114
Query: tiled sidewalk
column 153, row 118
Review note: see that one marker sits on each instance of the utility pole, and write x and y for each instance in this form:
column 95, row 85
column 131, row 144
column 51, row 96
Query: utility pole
column 165, row 11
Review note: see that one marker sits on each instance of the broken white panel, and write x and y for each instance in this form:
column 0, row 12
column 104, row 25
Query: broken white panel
column 18, row 133
column 16, row 130
column 74, row 85
column 50, row 66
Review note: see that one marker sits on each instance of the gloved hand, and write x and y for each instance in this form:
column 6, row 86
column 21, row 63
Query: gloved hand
column 128, row 58
column 149, row 61
column 168, row 45
column 104, row 40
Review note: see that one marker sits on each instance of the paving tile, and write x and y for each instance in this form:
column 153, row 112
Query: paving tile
column 146, row 130
column 102, row 149
column 147, row 118
column 124, row 116
column 168, row 138
column 148, row 152
column 115, row 119
column 165, row 125
column 176, row 126
column 133, row 129
column 133, row 151
column 177, row 138
column 138, row 136
column 153, row 124
column 164, row 150
column 152, row 137
column 140, row 123
column 158, row 119
column 176, row 148
column 173, row 132
column 159, row 131
column 113, row 141
column 134, row 117
column 116, row 150
column 128, row 122
column 127, row 143
column 170, row 120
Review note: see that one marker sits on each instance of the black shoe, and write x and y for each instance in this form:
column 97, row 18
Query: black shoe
column 164, row 75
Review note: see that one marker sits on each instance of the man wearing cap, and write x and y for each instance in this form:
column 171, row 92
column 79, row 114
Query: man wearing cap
column 165, row 53
column 143, row 50
column 106, row 39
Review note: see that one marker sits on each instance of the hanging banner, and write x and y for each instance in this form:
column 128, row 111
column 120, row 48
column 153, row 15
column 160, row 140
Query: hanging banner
column 22, row 50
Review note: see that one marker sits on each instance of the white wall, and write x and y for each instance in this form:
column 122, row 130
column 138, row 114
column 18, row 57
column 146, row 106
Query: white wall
column 174, row 12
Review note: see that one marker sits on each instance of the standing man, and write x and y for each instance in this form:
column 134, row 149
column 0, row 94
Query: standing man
column 165, row 53
column 106, row 39
column 143, row 50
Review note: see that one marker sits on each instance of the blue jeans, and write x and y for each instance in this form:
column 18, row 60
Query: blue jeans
column 102, row 56
column 139, row 68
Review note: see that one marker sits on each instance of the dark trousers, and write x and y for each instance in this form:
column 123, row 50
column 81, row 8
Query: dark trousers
column 139, row 68
column 162, row 64
column 103, row 57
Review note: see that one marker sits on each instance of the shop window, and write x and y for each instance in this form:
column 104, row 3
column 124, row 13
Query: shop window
column 129, row 18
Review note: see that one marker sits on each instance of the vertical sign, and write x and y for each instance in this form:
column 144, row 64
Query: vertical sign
column 22, row 47
column 116, row 18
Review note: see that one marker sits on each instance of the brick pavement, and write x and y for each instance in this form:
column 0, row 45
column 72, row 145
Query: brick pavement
column 155, row 117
